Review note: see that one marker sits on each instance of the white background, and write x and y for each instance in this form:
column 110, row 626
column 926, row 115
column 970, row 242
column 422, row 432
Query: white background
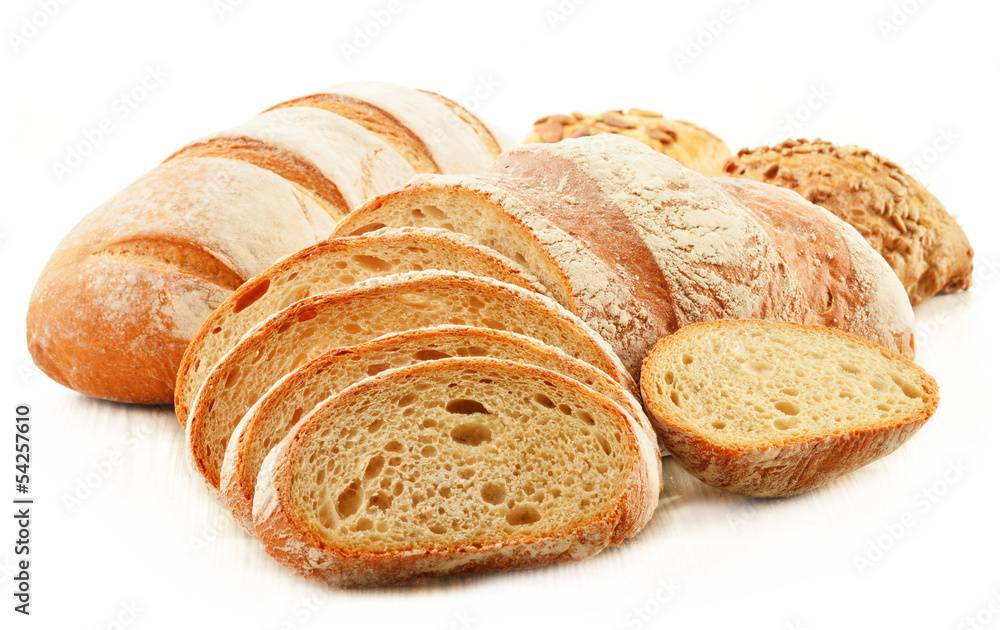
column 149, row 549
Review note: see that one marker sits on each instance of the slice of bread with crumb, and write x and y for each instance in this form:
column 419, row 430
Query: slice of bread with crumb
column 370, row 309
column 274, row 415
column 332, row 264
column 773, row 409
column 454, row 466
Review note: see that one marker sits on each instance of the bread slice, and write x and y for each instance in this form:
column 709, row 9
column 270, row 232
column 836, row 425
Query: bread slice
column 373, row 308
column 333, row 264
column 773, row 409
column 454, row 466
column 274, row 415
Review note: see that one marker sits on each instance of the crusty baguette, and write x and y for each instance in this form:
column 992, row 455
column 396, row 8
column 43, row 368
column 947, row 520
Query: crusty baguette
column 639, row 246
column 274, row 415
column 332, row 264
column 450, row 467
column 773, row 409
column 371, row 309
column 687, row 143
column 127, row 289
column 895, row 213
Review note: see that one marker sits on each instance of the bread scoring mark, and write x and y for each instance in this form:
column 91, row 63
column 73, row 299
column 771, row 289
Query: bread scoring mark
column 297, row 170
column 182, row 257
column 484, row 133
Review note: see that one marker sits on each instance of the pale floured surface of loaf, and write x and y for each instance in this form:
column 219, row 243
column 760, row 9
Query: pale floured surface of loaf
column 689, row 144
column 496, row 141
column 773, row 408
column 274, row 415
column 425, row 131
column 332, row 264
column 453, row 466
column 337, row 162
column 371, row 309
column 490, row 214
column 129, row 286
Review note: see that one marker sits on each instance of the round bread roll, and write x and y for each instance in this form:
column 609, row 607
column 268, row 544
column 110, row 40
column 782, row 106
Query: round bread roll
column 897, row 215
column 687, row 143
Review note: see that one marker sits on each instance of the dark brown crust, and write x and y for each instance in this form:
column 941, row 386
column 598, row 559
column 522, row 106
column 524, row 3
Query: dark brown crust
column 376, row 120
column 484, row 133
column 800, row 464
column 295, row 169
column 278, row 523
column 896, row 214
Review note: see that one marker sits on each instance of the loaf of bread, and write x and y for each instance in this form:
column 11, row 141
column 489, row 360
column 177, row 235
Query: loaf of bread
column 127, row 289
column 370, row 309
column 773, row 409
column 332, row 264
column 687, row 143
column 895, row 213
column 277, row 412
column 639, row 246
column 454, row 466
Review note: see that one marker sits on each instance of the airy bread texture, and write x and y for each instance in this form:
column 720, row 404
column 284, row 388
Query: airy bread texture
column 371, row 309
column 895, row 213
column 773, row 409
column 274, row 415
column 686, row 142
column 127, row 289
column 638, row 246
column 332, row 264
column 450, row 467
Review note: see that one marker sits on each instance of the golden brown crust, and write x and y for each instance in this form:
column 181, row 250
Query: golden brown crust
column 376, row 120
column 277, row 160
column 896, row 214
column 297, row 546
column 689, row 144
column 792, row 465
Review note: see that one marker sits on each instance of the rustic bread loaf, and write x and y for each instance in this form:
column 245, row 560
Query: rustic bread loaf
column 329, row 265
column 687, row 143
column 773, row 409
column 127, row 289
column 277, row 412
column 454, row 466
column 638, row 246
column 371, row 309
column 896, row 214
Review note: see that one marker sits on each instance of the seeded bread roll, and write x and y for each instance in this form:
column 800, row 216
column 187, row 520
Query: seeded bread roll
column 370, row 309
column 332, row 264
column 277, row 412
column 639, row 246
column 127, row 289
column 687, row 143
column 896, row 214
column 773, row 409
column 450, row 467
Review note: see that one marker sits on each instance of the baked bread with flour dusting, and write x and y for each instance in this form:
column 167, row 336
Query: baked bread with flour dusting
column 639, row 246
